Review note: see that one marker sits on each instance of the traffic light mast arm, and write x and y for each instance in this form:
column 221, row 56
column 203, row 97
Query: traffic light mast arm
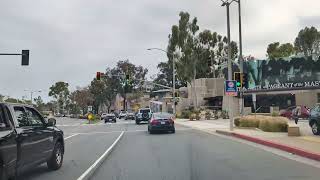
column 155, row 84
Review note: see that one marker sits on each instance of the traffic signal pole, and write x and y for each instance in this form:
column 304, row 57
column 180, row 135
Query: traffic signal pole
column 24, row 55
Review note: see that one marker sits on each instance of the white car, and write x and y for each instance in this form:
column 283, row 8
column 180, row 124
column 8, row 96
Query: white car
column 103, row 115
column 122, row 114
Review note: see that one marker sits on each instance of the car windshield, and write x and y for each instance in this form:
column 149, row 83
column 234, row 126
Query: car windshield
column 160, row 89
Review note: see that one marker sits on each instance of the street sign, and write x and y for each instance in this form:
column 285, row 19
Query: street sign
column 231, row 88
column 89, row 108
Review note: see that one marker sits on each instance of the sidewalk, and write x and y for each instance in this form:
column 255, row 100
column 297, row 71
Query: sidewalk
column 306, row 145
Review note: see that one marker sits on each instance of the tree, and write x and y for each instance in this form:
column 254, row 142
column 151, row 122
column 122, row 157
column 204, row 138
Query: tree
column 276, row 51
column 60, row 92
column 82, row 98
column 39, row 103
column 308, row 41
column 193, row 49
column 117, row 79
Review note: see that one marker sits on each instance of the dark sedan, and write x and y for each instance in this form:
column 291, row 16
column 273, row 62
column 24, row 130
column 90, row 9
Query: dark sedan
column 110, row 118
column 161, row 122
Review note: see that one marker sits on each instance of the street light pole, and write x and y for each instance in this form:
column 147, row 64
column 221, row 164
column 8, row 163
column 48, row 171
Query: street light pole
column 31, row 93
column 173, row 77
column 240, row 56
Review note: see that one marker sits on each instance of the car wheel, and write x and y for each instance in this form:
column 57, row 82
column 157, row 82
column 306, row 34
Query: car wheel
column 173, row 131
column 137, row 122
column 55, row 162
column 315, row 128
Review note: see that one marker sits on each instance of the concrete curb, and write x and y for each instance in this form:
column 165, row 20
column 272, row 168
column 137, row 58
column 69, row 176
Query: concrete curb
column 90, row 171
column 290, row 149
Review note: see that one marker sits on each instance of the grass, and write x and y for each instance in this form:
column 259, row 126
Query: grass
column 265, row 123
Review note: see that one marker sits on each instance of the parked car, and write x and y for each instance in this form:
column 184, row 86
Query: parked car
column 292, row 112
column 103, row 115
column 143, row 114
column 110, row 118
column 122, row 114
column 161, row 122
column 27, row 139
column 314, row 119
column 130, row 116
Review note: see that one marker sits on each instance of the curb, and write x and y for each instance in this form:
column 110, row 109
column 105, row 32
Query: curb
column 89, row 172
column 290, row 149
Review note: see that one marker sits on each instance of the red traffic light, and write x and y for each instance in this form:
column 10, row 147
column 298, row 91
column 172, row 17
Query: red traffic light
column 98, row 76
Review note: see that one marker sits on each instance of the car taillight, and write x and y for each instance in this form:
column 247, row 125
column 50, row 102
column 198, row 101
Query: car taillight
column 154, row 122
column 171, row 121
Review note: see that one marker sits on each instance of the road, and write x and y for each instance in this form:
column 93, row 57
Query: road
column 186, row 155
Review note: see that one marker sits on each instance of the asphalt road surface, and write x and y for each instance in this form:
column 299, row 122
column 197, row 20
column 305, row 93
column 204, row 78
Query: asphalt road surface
column 186, row 155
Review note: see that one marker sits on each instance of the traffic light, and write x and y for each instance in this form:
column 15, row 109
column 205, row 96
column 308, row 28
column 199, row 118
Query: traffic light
column 245, row 80
column 25, row 58
column 98, row 76
column 238, row 78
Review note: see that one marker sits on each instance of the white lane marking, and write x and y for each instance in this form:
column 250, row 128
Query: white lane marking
column 71, row 136
column 86, row 175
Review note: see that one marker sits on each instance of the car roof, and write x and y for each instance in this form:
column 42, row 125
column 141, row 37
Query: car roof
column 16, row 104
column 145, row 109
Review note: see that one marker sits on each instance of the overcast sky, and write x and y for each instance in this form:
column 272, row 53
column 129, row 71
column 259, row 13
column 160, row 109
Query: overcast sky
column 69, row 40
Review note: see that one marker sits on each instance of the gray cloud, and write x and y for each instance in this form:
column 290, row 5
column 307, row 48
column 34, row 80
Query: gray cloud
column 70, row 40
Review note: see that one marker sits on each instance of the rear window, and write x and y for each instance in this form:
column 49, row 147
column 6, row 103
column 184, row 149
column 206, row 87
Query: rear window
column 162, row 115
column 145, row 111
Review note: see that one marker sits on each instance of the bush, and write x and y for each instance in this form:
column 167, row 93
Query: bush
column 274, row 114
column 192, row 116
column 185, row 114
column 274, row 125
column 237, row 121
column 208, row 115
column 265, row 123
column 249, row 122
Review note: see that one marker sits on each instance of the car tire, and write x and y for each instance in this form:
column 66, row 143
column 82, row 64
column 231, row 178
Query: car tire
column 137, row 122
column 55, row 162
column 173, row 131
column 315, row 128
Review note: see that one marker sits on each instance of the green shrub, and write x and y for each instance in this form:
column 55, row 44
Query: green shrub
column 274, row 114
column 249, row 122
column 274, row 125
column 237, row 121
column 192, row 116
column 208, row 115
column 185, row 114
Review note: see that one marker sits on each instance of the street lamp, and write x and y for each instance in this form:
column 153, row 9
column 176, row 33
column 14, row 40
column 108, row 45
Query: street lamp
column 31, row 93
column 173, row 77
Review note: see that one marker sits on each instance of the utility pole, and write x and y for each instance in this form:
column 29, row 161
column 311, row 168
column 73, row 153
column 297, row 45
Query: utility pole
column 240, row 57
column 227, row 4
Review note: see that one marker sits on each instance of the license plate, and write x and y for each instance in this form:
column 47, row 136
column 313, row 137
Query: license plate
column 163, row 122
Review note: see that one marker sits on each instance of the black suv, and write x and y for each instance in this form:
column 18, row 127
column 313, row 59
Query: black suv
column 143, row 115
column 314, row 120
column 27, row 139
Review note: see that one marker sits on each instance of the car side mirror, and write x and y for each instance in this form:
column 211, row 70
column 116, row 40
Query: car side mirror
column 52, row 122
